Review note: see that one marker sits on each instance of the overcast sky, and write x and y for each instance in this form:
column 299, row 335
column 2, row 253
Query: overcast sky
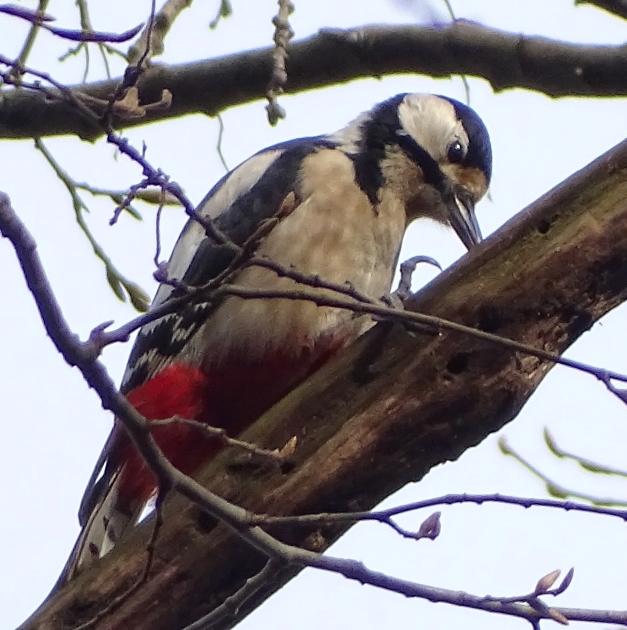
column 53, row 428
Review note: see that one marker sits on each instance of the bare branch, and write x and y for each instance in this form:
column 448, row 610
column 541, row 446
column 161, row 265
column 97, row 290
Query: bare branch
column 384, row 516
column 98, row 37
column 79, row 355
column 504, row 59
column 519, row 607
column 435, row 323
column 225, row 10
column 356, row 303
column 615, row 7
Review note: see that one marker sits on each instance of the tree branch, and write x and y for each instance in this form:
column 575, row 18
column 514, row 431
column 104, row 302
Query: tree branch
column 335, row 56
column 384, row 516
column 615, row 7
column 362, row 430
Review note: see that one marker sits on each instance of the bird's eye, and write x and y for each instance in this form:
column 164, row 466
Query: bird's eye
column 456, row 152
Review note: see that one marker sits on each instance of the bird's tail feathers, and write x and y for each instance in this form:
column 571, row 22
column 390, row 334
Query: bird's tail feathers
column 101, row 531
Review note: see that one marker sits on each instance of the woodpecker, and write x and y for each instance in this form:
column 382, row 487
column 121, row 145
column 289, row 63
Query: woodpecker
column 342, row 203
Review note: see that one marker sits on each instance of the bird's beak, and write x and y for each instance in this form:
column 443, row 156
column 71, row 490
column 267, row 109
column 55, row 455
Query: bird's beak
column 461, row 211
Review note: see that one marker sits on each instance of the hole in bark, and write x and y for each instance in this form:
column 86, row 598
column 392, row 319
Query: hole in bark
column 287, row 466
column 458, row 363
column 544, row 225
column 205, row 522
column 609, row 277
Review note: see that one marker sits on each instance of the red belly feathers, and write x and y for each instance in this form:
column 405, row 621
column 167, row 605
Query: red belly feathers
column 231, row 397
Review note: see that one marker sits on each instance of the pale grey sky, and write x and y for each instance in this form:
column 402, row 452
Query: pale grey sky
column 52, row 426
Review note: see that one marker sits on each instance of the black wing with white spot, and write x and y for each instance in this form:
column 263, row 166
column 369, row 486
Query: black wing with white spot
column 254, row 191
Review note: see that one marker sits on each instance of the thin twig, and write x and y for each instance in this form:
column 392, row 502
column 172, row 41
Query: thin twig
column 29, row 42
column 219, row 142
column 436, row 323
column 346, row 298
column 71, row 97
column 585, row 463
column 225, row 10
column 384, row 516
column 40, row 20
column 449, row 8
column 119, row 283
column 156, row 177
column 141, row 580
column 147, row 52
column 223, row 438
column 552, row 487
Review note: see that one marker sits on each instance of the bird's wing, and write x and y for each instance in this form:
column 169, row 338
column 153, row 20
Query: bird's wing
column 238, row 203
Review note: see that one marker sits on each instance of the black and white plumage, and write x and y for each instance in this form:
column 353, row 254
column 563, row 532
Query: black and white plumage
column 344, row 201
column 430, row 149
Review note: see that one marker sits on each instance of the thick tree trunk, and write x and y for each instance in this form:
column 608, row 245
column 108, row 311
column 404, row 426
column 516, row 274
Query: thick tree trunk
column 387, row 411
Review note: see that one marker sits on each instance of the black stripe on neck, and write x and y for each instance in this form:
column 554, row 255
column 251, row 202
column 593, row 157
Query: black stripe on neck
column 378, row 133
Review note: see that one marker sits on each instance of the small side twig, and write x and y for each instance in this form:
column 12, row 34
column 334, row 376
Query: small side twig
column 543, row 587
column 141, row 580
column 119, row 283
column 225, row 10
column 29, row 42
column 40, row 20
column 552, row 487
column 385, row 516
column 282, row 34
column 156, row 177
column 223, row 438
column 585, row 463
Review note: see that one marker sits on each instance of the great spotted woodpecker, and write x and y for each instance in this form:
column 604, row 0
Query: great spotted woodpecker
column 342, row 202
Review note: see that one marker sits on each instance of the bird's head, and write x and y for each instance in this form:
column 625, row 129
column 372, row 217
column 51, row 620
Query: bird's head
column 434, row 152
